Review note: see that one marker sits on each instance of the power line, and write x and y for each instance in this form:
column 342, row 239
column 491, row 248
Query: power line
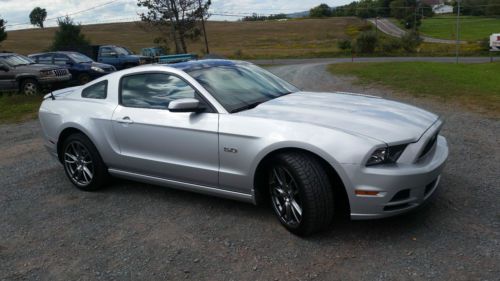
column 69, row 14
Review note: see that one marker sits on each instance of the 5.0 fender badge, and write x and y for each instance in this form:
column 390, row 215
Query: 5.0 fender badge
column 230, row 150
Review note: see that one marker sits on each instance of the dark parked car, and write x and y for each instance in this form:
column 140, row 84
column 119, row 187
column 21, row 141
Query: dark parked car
column 118, row 56
column 20, row 73
column 83, row 68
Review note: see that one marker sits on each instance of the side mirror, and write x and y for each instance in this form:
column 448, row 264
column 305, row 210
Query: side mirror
column 184, row 105
column 4, row 68
column 70, row 63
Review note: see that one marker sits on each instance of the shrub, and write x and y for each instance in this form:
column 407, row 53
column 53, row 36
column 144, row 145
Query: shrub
column 344, row 44
column 366, row 42
column 484, row 44
column 410, row 42
column 391, row 45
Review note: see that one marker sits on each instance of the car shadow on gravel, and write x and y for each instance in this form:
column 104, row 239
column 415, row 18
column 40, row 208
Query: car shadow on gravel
column 404, row 226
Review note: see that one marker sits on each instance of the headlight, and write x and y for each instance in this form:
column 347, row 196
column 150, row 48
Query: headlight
column 97, row 69
column 45, row 73
column 386, row 155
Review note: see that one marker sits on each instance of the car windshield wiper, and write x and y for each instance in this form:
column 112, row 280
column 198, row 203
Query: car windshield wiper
column 247, row 106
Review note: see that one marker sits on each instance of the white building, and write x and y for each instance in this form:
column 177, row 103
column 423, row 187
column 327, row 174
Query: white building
column 442, row 9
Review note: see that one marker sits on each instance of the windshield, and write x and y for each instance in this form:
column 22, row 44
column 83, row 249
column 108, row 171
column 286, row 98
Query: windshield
column 17, row 60
column 241, row 86
column 122, row 51
column 79, row 58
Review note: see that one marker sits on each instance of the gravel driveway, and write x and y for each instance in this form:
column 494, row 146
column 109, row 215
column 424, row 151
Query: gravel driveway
column 51, row 231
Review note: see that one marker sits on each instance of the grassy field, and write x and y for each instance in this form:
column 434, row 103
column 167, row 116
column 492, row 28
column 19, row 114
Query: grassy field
column 472, row 28
column 270, row 39
column 476, row 86
column 16, row 108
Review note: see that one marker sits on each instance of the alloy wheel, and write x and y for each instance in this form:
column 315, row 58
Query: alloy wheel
column 285, row 196
column 30, row 89
column 78, row 163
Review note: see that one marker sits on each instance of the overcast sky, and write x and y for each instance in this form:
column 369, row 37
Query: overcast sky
column 16, row 12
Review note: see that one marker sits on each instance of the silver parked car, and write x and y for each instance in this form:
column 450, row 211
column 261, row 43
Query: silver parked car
column 232, row 129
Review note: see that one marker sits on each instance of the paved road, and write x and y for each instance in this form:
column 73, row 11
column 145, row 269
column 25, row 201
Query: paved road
column 130, row 231
column 374, row 59
column 386, row 26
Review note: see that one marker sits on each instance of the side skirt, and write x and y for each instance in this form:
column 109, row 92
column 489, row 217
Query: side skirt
column 183, row 186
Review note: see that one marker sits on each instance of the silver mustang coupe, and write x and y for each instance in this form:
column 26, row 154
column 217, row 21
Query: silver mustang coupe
column 231, row 129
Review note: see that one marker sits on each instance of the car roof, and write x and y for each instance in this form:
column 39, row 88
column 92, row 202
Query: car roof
column 7, row 54
column 204, row 64
column 56, row 52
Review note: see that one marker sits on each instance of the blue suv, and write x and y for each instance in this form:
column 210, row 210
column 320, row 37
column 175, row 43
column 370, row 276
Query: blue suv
column 82, row 68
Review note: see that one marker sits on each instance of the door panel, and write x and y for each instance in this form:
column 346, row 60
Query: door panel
column 157, row 142
column 177, row 146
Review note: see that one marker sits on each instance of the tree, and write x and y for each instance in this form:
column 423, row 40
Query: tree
column 493, row 8
column 176, row 19
column 320, row 11
column 69, row 36
column 3, row 34
column 398, row 9
column 38, row 16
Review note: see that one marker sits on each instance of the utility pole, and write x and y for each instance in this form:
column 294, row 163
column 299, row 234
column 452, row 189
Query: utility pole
column 458, row 29
column 203, row 26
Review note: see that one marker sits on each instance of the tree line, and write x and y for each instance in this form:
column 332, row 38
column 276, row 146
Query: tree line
column 257, row 17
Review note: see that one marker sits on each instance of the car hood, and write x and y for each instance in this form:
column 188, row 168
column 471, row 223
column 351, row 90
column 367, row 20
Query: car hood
column 97, row 64
column 373, row 117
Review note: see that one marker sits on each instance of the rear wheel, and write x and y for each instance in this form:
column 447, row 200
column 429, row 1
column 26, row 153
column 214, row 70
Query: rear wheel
column 83, row 164
column 301, row 193
column 29, row 87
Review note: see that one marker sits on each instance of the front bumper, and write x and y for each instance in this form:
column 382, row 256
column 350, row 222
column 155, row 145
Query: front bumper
column 401, row 187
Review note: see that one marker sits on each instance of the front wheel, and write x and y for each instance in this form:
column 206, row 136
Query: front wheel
column 29, row 87
column 84, row 79
column 301, row 193
column 83, row 164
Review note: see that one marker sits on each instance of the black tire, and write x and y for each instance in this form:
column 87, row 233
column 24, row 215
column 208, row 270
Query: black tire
column 80, row 150
column 312, row 192
column 29, row 87
column 84, row 79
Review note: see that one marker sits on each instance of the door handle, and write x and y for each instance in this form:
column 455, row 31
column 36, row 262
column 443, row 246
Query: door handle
column 125, row 120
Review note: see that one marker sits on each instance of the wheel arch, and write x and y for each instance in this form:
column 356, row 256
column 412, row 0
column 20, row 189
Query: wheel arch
column 333, row 170
column 66, row 132
column 21, row 78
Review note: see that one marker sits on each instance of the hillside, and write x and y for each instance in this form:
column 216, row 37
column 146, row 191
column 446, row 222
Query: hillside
column 270, row 39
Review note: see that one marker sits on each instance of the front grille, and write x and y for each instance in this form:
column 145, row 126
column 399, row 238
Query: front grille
column 61, row 72
column 430, row 144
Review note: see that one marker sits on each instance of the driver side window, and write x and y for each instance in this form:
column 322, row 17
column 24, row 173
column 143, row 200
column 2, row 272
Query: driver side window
column 106, row 52
column 153, row 90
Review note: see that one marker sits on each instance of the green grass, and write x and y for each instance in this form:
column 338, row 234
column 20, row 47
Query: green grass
column 477, row 86
column 17, row 108
column 471, row 28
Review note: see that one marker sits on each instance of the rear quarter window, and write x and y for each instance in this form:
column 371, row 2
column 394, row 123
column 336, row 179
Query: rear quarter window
column 96, row 91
